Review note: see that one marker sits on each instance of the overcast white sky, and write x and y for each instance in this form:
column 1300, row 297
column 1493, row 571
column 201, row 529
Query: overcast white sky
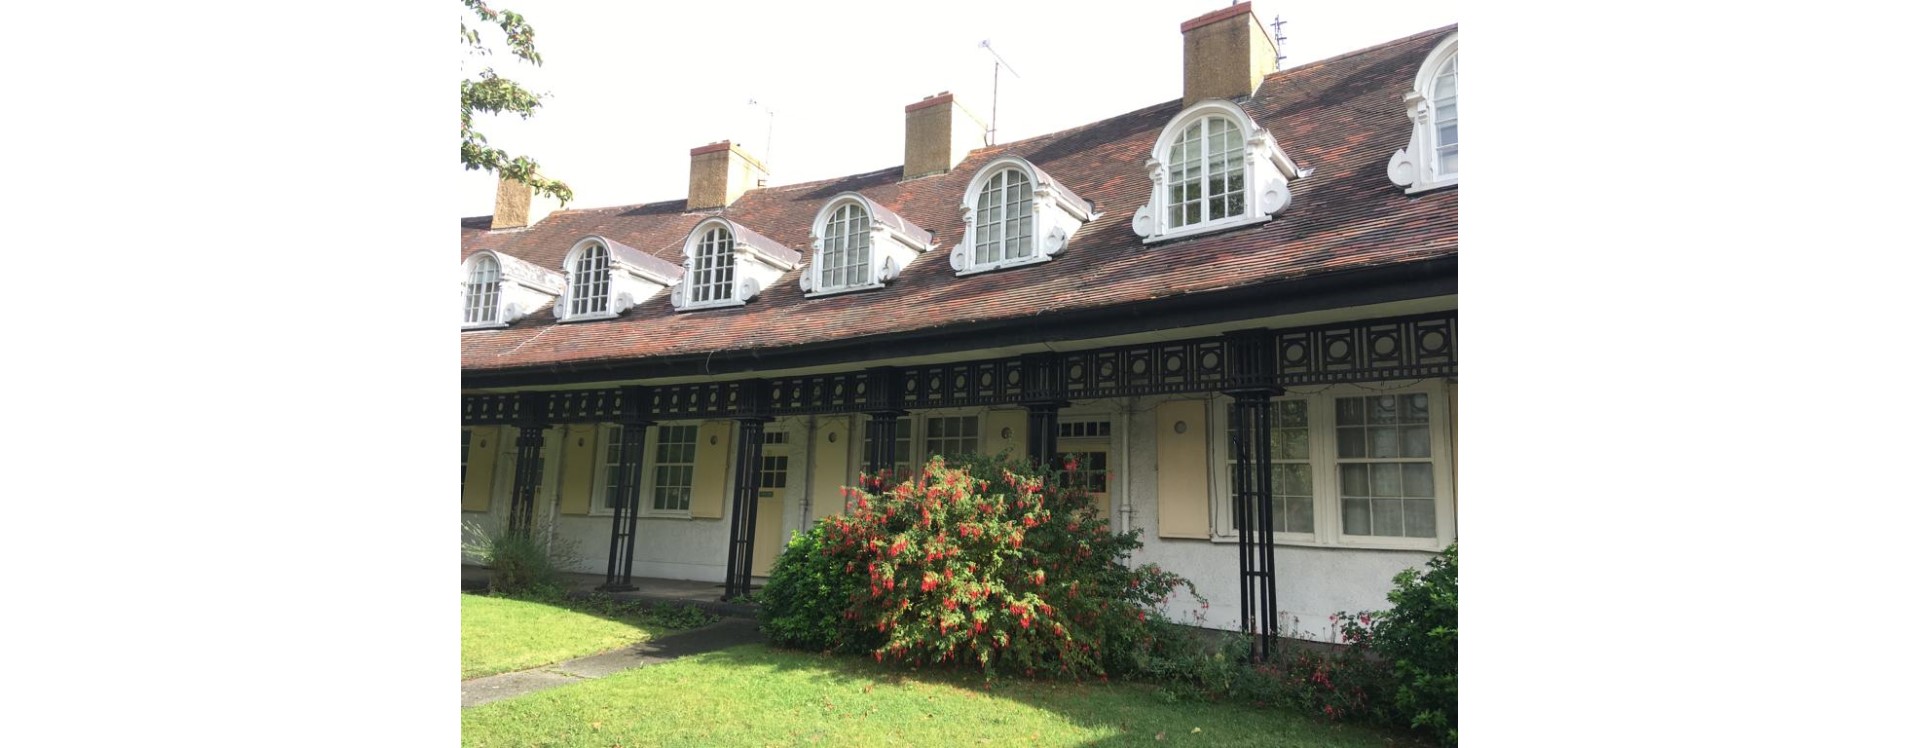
column 634, row 86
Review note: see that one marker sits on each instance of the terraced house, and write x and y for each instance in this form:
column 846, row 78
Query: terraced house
column 680, row 385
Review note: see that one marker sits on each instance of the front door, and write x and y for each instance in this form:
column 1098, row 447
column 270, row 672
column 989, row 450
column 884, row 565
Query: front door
column 769, row 528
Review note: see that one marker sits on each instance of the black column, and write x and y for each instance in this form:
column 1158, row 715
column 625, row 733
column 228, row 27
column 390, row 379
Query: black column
column 751, row 409
column 634, row 402
column 526, row 465
column 1042, row 393
column 884, row 405
column 1251, row 365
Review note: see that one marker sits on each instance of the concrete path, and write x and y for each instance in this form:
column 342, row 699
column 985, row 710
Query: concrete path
column 727, row 633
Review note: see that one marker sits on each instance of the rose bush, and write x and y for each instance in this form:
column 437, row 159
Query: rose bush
column 987, row 563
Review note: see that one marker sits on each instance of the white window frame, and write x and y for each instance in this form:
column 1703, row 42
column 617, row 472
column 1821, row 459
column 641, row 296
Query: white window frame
column 603, row 462
column 723, row 292
column 494, row 311
column 915, row 424
column 1417, row 166
column 1265, row 171
column 1324, row 457
column 650, row 468
column 856, row 278
column 575, row 282
column 1054, row 214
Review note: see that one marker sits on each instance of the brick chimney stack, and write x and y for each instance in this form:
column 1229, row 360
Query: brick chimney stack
column 1228, row 53
column 720, row 173
column 940, row 134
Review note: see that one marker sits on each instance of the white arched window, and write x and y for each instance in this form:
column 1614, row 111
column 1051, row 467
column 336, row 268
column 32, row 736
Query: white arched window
column 497, row 290
column 606, row 278
column 712, row 278
column 482, row 292
column 727, row 264
column 845, row 248
column 1003, row 219
column 1432, row 156
column 1213, row 169
column 589, row 282
column 859, row 244
column 1015, row 215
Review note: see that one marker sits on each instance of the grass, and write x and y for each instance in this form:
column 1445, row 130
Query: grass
column 499, row 634
column 756, row 696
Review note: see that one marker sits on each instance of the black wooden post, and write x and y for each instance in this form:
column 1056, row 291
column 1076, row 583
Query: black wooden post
column 1042, row 394
column 751, row 411
column 532, row 422
column 885, row 397
column 635, row 407
column 1251, row 365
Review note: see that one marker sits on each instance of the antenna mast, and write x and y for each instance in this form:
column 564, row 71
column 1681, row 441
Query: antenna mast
column 1279, row 43
column 993, row 129
column 766, row 154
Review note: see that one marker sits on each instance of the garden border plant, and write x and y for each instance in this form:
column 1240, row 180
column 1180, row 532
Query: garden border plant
column 986, row 562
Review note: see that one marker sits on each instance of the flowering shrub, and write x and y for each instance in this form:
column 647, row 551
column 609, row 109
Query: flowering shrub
column 1346, row 685
column 988, row 564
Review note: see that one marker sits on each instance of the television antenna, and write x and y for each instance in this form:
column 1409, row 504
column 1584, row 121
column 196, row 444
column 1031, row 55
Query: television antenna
column 993, row 129
column 766, row 151
column 1279, row 43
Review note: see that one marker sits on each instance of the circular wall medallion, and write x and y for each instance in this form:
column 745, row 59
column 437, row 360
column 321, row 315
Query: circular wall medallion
column 1337, row 350
column 1294, row 352
column 1433, row 341
column 1384, row 345
column 1174, row 363
column 1076, row 372
column 1139, row 366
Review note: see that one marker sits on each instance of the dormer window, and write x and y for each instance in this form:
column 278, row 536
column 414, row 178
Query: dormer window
column 712, row 255
column 483, row 292
column 1214, row 169
column 588, row 281
column 497, row 290
column 1015, row 215
column 727, row 264
column 845, row 248
column 606, row 278
column 1432, row 156
column 859, row 244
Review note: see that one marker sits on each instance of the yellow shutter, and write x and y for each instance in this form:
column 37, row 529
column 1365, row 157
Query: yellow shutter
column 1014, row 422
column 1180, row 428
column 576, row 481
column 710, row 457
column 477, row 496
column 832, row 449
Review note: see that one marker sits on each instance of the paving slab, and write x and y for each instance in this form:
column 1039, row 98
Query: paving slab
column 727, row 633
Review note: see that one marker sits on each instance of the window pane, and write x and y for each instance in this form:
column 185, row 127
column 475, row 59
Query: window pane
column 1416, row 479
column 1349, row 411
column 1295, row 480
column 1354, row 517
column 1414, row 442
column 1419, row 518
column 1386, row 517
column 1381, row 410
column 1353, row 480
column 1383, row 442
column 1299, row 515
column 1384, row 479
column 1413, row 408
column 1293, row 444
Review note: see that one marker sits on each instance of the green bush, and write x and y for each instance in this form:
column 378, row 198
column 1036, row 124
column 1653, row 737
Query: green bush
column 1421, row 637
column 990, row 563
column 802, row 605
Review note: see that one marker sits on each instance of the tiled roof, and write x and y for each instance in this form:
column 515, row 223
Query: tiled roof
column 1343, row 117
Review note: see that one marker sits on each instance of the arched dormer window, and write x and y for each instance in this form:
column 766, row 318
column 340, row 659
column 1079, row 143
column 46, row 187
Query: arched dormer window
column 605, row 278
column 483, row 292
column 1432, row 156
column 589, row 282
column 497, row 290
column 859, row 244
column 1213, row 169
column 712, row 261
column 727, row 264
column 1015, row 215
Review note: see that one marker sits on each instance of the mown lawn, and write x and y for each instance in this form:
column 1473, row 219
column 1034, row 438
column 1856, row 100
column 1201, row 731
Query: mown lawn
column 499, row 634
column 757, row 696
